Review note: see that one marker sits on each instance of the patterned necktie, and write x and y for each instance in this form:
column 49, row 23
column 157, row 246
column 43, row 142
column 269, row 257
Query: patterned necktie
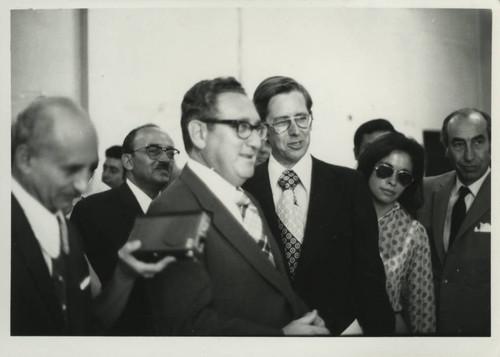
column 289, row 219
column 59, row 267
column 253, row 225
column 458, row 214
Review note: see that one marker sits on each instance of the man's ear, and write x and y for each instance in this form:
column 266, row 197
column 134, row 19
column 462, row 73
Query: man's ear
column 198, row 133
column 128, row 161
column 22, row 158
column 447, row 152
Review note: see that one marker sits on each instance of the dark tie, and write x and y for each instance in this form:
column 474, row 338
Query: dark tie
column 59, row 268
column 289, row 219
column 458, row 214
column 253, row 225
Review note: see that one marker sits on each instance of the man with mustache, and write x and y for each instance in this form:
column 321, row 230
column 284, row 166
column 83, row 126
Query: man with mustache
column 106, row 219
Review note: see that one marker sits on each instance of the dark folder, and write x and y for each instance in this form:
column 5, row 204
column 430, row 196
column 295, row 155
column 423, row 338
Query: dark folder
column 180, row 235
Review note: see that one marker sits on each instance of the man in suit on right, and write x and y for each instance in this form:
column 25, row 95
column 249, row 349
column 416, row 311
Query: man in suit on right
column 457, row 216
column 329, row 237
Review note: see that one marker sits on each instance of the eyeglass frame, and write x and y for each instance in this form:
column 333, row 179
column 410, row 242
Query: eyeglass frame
column 289, row 121
column 163, row 149
column 236, row 123
column 398, row 172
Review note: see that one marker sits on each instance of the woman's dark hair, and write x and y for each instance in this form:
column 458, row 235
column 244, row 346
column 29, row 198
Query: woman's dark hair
column 412, row 197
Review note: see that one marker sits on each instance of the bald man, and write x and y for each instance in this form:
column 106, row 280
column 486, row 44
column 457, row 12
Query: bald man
column 54, row 152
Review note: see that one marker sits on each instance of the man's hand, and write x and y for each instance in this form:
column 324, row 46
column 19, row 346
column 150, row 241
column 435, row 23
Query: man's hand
column 135, row 267
column 309, row 324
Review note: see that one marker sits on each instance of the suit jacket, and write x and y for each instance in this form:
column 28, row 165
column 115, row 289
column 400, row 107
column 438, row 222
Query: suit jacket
column 105, row 221
column 233, row 289
column 462, row 276
column 339, row 272
column 35, row 308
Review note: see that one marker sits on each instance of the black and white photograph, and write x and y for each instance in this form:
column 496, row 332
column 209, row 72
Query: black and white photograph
column 250, row 178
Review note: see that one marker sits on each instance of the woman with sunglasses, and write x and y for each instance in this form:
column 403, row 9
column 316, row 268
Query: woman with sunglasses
column 393, row 167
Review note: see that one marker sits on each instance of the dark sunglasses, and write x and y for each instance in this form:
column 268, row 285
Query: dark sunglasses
column 383, row 171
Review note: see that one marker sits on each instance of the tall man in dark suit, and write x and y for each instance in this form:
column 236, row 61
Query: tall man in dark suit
column 239, row 285
column 106, row 219
column 457, row 216
column 321, row 216
column 54, row 152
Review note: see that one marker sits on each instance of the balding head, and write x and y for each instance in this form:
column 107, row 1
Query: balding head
column 54, row 151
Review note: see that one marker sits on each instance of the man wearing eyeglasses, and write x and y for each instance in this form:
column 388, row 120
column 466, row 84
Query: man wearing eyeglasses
column 106, row 219
column 239, row 285
column 321, row 216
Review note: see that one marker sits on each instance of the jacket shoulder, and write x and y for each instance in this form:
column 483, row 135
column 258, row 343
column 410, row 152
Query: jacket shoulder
column 325, row 168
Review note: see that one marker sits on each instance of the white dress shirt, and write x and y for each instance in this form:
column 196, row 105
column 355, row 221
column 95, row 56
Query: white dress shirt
column 143, row 199
column 303, row 169
column 226, row 193
column 469, row 199
column 43, row 223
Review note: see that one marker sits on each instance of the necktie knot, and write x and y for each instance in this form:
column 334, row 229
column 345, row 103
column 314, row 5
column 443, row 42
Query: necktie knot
column 463, row 191
column 243, row 200
column 288, row 180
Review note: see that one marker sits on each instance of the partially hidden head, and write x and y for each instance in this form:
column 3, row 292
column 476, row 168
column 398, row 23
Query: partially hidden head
column 368, row 132
column 54, row 151
column 113, row 173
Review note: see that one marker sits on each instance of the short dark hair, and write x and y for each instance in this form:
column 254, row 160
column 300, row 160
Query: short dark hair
column 412, row 197
column 371, row 126
column 114, row 152
column 200, row 101
column 128, row 142
column 273, row 86
column 463, row 113
column 33, row 123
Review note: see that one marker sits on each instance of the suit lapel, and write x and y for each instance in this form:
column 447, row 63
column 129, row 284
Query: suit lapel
column 128, row 200
column 441, row 198
column 25, row 242
column 235, row 234
column 481, row 205
column 318, row 201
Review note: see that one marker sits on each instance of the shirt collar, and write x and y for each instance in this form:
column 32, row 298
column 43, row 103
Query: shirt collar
column 143, row 199
column 43, row 222
column 473, row 187
column 222, row 189
column 391, row 211
column 303, row 169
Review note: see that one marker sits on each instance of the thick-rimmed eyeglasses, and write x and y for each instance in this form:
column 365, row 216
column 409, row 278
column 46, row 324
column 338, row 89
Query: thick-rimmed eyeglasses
column 384, row 170
column 243, row 128
column 154, row 151
column 281, row 124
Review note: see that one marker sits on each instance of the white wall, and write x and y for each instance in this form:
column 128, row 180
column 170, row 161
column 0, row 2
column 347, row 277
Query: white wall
column 45, row 55
column 412, row 66
column 141, row 62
